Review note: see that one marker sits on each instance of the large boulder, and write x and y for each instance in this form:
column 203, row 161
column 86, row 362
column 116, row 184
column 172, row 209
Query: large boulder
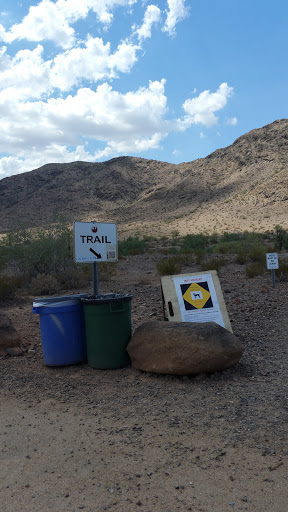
column 183, row 348
column 9, row 337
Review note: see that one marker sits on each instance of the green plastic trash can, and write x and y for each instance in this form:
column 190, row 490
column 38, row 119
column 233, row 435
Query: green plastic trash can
column 108, row 329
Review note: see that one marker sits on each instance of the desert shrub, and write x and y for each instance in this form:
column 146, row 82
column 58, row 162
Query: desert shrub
column 230, row 237
column 282, row 272
column 214, row 264
column 257, row 253
column 73, row 277
column 107, row 270
column 9, row 286
column 222, row 248
column 255, row 269
column 44, row 284
column 169, row 266
column 241, row 258
column 132, row 246
column 238, row 243
column 199, row 256
column 192, row 242
column 213, row 239
column 39, row 251
column 281, row 238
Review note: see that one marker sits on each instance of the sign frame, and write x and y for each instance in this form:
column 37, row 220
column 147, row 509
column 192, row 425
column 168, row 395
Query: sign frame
column 95, row 242
column 174, row 300
column 272, row 260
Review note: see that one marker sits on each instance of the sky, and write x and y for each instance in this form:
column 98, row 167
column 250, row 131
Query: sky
column 170, row 80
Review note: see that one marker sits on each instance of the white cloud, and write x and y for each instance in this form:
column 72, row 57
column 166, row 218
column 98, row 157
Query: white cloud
column 94, row 62
column 26, row 75
column 201, row 110
column 31, row 159
column 176, row 12
column 52, row 20
column 152, row 16
column 232, row 121
column 53, row 110
column 131, row 122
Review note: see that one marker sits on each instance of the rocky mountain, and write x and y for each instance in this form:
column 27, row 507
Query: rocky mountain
column 243, row 186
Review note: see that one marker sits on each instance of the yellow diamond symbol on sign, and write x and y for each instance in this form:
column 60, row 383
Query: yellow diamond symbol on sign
column 196, row 296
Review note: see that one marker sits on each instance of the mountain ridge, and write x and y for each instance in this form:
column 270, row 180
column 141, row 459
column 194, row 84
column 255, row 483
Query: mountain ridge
column 210, row 193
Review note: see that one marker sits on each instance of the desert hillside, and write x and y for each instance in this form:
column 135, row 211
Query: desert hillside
column 243, row 186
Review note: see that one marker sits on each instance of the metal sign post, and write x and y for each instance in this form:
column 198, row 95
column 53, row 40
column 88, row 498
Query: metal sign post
column 272, row 263
column 95, row 278
column 273, row 278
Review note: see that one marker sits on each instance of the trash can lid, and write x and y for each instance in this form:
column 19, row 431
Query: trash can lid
column 38, row 306
column 106, row 298
column 62, row 301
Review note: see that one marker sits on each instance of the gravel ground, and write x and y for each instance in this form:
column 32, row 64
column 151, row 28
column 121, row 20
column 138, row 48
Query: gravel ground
column 76, row 438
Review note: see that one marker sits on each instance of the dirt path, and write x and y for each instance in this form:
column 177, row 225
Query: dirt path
column 76, row 438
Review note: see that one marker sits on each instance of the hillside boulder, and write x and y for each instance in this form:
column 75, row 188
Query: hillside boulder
column 183, row 348
column 9, row 338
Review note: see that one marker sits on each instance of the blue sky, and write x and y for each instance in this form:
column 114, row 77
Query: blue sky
column 170, row 80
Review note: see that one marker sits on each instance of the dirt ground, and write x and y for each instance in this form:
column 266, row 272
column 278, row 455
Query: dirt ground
column 76, row 438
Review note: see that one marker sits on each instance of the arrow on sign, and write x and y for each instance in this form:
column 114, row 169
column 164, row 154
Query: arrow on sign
column 98, row 256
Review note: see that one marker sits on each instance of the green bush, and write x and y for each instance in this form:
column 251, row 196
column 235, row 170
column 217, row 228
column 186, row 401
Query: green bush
column 257, row 253
column 9, row 286
column 230, row 237
column 39, row 251
column 281, row 238
column 241, row 258
column 213, row 239
column 74, row 277
column 106, row 270
column 223, row 248
column 44, row 284
column 282, row 272
column 169, row 266
column 192, row 242
column 132, row 246
column 255, row 269
column 199, row 256
column 214, row 264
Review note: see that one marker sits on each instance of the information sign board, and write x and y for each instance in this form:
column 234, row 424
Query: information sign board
column 272, row 260
column 194, row 298
column 95, row 242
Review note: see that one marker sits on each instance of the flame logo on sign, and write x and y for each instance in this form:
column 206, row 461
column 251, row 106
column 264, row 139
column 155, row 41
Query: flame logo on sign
column 94, row 229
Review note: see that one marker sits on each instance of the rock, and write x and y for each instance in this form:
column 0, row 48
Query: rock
column 9, row 337
column 183, row 348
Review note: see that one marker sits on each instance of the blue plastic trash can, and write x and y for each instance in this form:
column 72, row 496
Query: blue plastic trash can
column 62, row 330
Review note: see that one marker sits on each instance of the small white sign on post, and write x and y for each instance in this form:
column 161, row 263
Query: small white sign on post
column 272, row 260
column 95, row 242
column 272, row 264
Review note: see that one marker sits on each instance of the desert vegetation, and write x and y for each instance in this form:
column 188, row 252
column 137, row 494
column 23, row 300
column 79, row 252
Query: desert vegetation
column 40, row 261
